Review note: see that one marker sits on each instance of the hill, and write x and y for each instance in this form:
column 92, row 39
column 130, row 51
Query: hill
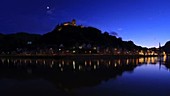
column 71, row 36
column 166, row 47
column 11, row 42
column 68, row 38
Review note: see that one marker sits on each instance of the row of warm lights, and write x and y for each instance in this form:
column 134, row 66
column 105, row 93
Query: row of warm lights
column 150, row 53
column 52, row 62
column 80, row 67
column 148, row 60
column 107, row 50
column 63, row 62
column 97, row 63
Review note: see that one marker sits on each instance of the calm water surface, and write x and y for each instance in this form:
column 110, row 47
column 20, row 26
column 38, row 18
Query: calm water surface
column 85, row 77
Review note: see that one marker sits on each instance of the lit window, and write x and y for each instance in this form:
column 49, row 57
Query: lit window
column 29, row 42
column 74, row 51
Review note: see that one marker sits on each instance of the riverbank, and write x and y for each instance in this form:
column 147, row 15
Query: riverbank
column 76, row 56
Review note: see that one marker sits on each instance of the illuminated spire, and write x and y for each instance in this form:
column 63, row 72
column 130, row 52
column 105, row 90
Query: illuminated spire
column 159, row 45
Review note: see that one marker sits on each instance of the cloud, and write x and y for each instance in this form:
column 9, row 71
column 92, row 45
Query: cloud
column 114, row 33
column 120, row 29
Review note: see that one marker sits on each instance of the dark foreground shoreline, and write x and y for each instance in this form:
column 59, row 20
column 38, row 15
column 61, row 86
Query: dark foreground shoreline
column 76, row 56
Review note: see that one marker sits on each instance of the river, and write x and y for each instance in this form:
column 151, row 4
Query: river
column 148, row 76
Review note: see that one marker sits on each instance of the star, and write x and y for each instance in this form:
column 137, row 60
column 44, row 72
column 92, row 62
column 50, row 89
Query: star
column 48, row 7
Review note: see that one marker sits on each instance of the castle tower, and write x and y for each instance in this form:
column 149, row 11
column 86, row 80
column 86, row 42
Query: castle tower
column 73, row 22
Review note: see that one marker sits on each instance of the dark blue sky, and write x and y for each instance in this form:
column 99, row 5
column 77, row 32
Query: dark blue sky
column 145, row 22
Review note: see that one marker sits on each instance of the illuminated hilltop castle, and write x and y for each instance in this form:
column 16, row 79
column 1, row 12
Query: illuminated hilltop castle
column 72, row 23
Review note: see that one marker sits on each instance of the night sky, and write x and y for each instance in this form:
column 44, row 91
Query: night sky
column 145, row 22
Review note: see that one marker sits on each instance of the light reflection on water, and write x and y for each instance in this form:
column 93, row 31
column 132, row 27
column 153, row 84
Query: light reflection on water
column 85, row 77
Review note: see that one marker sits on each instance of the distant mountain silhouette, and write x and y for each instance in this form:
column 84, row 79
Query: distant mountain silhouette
column 68, row 35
